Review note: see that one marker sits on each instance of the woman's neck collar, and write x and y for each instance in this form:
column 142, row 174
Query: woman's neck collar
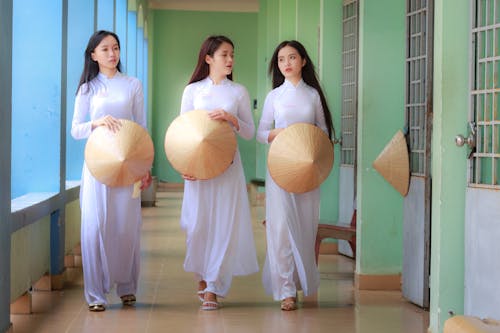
column 109, row 73
column 294, row 81
column 217, row 79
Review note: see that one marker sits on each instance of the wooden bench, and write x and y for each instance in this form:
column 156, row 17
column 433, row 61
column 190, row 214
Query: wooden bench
column 338, row 231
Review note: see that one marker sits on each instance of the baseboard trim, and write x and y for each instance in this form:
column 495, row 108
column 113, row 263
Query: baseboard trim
column 377, row 282
column 164, row 186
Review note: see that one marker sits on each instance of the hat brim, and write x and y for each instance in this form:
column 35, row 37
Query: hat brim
column 198, row 146
column 119, row 158
column 300, row 158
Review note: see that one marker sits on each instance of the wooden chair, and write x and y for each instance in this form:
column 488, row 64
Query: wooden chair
column 328, row 229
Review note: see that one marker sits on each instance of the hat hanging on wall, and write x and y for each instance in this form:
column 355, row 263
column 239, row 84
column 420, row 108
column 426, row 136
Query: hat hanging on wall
column 198, row 146
column 119, row 158
column 393, row 163
column 300, row 158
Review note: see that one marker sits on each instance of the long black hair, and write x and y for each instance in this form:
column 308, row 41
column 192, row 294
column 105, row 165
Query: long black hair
column 209, row 46
column 91, row 67
column 308, row 75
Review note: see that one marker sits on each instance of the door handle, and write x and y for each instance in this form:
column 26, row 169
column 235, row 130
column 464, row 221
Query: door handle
column 470, row 140
column 460, row 140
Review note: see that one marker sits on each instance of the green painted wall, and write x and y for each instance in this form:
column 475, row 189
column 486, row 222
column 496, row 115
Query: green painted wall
column 287, row 19
column 263, row 84
column 308, row 27
column 177, row 39
column 150, row 33
column 449, row 163
column 380, row 115
column 330, row 73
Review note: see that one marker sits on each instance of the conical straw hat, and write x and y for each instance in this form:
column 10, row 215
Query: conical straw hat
column 119, row 158
column 198, row 146
column 300, row 158
column 393, row 163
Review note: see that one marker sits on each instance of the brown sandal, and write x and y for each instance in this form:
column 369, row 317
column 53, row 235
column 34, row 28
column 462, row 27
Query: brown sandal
column 96, row 307
column 128, row 300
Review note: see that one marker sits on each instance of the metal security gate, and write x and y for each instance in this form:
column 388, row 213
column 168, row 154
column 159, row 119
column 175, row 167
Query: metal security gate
column 418, row 110
column 482, row 208
column 349, row 117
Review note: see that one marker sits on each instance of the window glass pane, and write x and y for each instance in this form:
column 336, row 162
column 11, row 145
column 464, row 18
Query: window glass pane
column 80, row 28
column 36, row 96
column 105, row 15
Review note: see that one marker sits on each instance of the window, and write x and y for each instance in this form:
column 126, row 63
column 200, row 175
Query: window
column 349, row 82
column 418, row 87
column 485, row 92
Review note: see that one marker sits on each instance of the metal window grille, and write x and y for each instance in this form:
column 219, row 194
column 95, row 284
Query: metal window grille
column 485, row 91
column 418, row 91
column 349, row 82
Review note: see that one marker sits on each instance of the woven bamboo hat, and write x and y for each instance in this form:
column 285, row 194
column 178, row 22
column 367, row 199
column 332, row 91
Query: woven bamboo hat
column 300, row 158
column 393, row 163
column 119, row 158
column 198, row 146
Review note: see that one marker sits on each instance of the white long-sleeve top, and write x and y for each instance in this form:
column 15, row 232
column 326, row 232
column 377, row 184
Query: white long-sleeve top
column 289, row 104
column 230, row 96
column 121, row 97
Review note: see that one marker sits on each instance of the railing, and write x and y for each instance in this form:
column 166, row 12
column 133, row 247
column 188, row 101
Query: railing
column 44, row 228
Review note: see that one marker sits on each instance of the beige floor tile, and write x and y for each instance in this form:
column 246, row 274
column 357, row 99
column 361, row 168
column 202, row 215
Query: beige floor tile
column 167, row 300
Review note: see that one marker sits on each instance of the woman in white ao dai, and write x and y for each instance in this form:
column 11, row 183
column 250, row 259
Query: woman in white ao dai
column 111, row 217
column 216, row 212
column 291, row 219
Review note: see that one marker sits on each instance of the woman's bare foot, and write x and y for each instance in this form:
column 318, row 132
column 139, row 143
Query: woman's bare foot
column 210, row 302
column 289, row 304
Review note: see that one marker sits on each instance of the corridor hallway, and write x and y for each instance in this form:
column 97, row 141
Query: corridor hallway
column 167, row 300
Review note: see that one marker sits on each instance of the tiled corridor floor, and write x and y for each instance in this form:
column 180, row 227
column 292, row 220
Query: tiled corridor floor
column 167, row 300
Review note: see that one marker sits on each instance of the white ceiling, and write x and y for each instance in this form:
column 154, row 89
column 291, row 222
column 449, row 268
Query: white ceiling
column 207, row 5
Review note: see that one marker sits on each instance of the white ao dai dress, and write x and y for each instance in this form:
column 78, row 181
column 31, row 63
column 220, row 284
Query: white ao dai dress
column 216, row 212
column 111, row 217
column 291, row 219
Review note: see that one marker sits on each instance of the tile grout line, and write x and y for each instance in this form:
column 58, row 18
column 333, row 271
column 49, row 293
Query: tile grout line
column 155, row 296
column 74, row 319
